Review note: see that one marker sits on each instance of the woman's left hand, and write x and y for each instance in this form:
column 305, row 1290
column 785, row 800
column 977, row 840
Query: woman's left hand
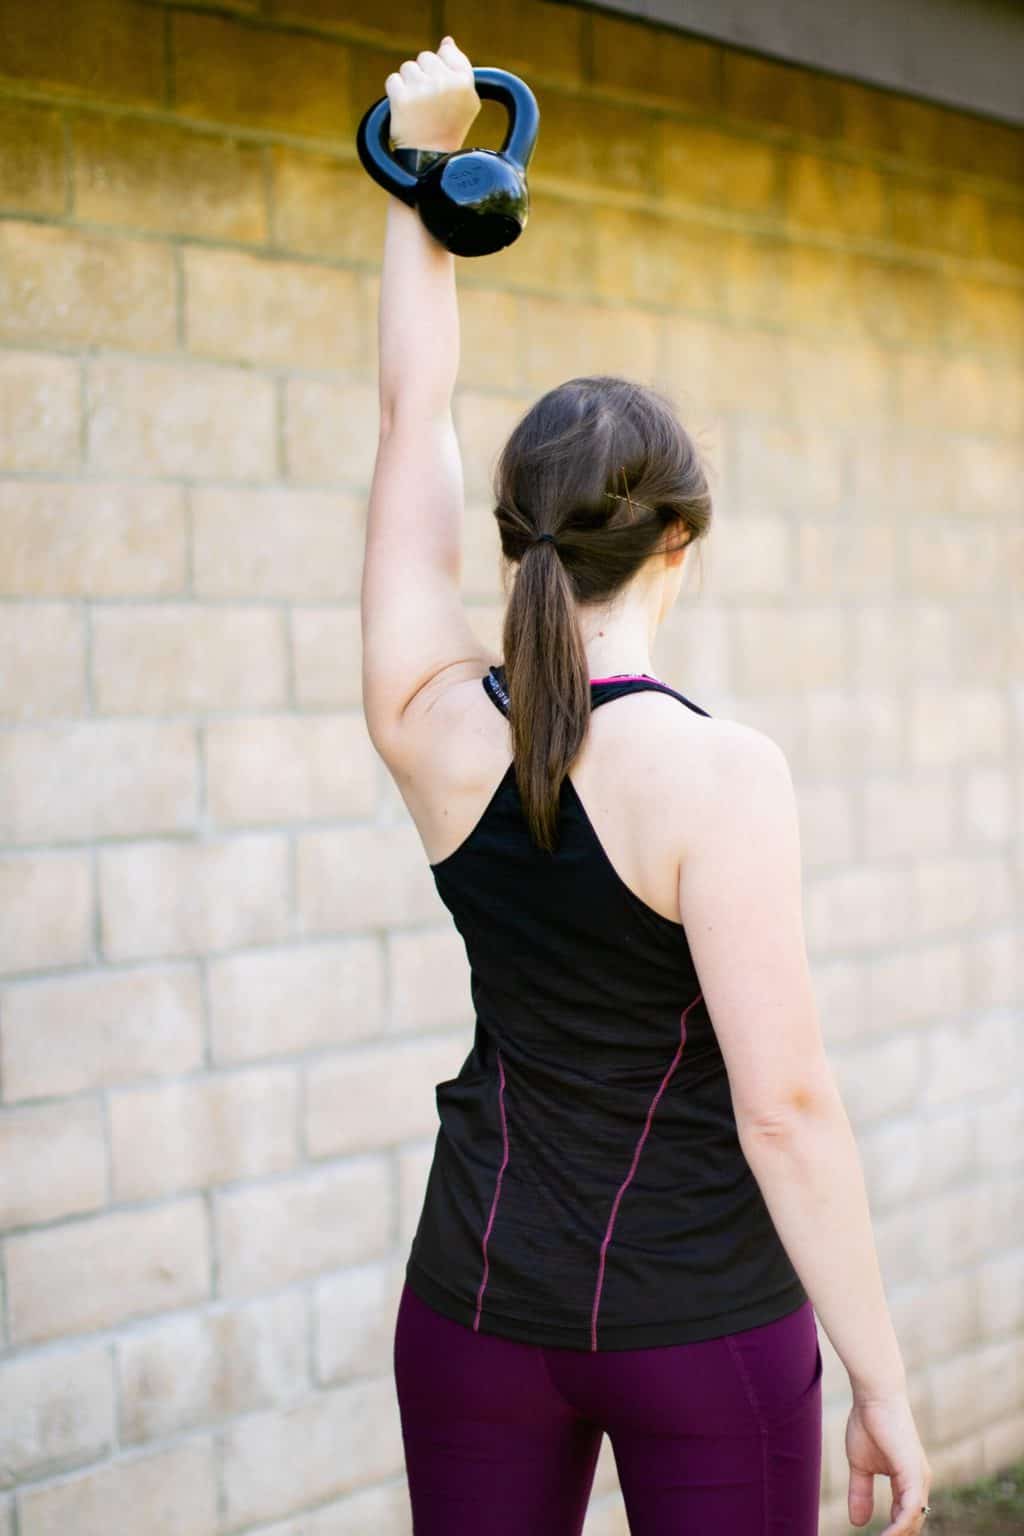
column 433, row 99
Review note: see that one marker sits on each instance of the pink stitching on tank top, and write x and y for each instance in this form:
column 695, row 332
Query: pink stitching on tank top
column 629, row 1176
column 497, row 1192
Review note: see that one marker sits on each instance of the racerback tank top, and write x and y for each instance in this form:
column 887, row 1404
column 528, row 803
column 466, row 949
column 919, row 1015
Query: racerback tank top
column 587, row 1187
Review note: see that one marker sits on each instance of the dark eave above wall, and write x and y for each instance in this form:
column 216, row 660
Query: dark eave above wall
column 960, row 53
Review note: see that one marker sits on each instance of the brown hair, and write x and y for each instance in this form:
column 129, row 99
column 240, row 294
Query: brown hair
column 604, row 465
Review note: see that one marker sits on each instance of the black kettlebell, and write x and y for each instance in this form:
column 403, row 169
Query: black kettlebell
column 474, row 201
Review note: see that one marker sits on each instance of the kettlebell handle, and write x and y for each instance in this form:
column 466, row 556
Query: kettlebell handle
column 372, row 137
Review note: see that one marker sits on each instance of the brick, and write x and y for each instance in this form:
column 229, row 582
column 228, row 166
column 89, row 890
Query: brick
column 324, row 206
column 91, row 540
column 392, row 884
column 53, row 1162
column 793, row 649
column 355, row 1320
column 945, row 726
column 109, row 49
column 751, row 554
column 1006, row 233
column 483, row 422
column 561, row 340
column 887, row 123
column 916, row 986
column 47, row 902
column 896, row 304
column 998, row 1133
column 44, row 649
column 327, row 1445
column 858, row 908
column 972, row 1390
column 952, row 892
column 71, row 1034
column 278, row 543
column 826, row 824
column 780, row 95
column 881, row 1078
column 655, row 63
column 39, row 411
column 843, row 382
column 1001, row 1294
column 908, row 815
column 484, row 314
column 844, row 732
column 64, row 1412
column 103, row 1270
column 169, row 418
column 386, row 1088
column 899, row 468
column 231, row 73
column 961, row 394
column 199, row 1368
column 168, row 178
column 938, row 217
column 171, row 658
column 987, row 807
column 708, row 367
column 529, row 36
column 993, row 964
column 833, row 196
column 412, row 19
column 651, row 260
column 272, row 1234
column 414, row 1160
column 311, row 767
column 893, row 1158
column 854, row 559
column 32, row 174
column 98, row 778
column 68, row 287
column 981, row 316
column 554, row 253
column 327, row 657
column 251, row 999
column 330, row 431
column 708, row 167
column 757, row 286
column 169, row 1492
column 429, row 981
column 966, row 1059
column 380, row 1508
column 946, row 1301
column 179, row 898
column 617, row 152
column 1001, row 1444
column 186, row 1135
column 242, row 308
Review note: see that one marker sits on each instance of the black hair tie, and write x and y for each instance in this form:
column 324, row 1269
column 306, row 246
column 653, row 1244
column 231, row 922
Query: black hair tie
column 539, row 538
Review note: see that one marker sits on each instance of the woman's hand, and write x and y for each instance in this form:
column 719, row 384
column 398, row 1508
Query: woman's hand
column 881, row 1438
column 433, row 99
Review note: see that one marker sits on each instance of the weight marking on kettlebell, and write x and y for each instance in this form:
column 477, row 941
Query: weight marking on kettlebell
column 465, row 178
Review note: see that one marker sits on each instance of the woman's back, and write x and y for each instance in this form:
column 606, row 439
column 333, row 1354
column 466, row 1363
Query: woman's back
column 588, row 1187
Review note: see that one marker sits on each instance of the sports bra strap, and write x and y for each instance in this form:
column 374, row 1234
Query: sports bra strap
column 602, row 690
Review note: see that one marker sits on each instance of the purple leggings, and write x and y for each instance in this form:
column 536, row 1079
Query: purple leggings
column 501, row 1438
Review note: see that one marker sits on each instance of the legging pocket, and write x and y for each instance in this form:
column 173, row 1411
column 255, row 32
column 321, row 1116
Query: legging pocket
column 780, row 1365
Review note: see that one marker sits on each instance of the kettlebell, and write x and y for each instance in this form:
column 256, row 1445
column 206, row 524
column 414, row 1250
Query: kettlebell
column 474, row 201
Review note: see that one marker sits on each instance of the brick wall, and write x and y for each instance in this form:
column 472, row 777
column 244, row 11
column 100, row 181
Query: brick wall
column 227, row 981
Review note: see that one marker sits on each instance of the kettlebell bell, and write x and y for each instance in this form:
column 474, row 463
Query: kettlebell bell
column 474, row 201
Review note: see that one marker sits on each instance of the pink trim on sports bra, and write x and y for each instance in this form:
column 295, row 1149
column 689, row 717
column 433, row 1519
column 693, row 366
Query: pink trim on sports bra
column 616, row 677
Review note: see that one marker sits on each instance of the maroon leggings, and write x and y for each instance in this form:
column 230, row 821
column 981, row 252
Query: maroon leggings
column 501, row 1438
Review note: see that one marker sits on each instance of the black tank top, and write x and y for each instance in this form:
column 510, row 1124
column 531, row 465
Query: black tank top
column 587, row 1187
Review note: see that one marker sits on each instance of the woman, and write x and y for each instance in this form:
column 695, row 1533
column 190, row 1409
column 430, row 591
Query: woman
column 632, row 1215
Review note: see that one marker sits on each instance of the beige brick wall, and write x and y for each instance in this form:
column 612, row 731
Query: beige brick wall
column 226, row 980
